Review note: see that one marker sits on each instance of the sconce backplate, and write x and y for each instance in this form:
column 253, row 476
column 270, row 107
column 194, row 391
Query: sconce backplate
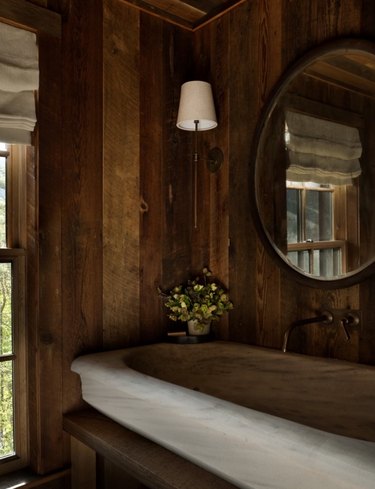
column 215, row 159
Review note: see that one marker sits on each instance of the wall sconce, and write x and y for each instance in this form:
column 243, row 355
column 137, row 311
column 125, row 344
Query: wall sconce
column 196, row 113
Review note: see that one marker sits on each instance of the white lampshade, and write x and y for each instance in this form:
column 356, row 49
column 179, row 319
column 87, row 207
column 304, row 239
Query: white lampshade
column 196, row 104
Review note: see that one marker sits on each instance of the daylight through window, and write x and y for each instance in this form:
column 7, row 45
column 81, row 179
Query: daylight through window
column 310, row 224
column 13, row 433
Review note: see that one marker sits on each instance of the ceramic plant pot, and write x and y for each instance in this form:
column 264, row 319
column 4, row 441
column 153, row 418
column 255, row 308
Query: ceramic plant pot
column 196, row 328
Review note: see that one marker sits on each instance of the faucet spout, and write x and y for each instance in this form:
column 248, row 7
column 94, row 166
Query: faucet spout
column 325, row 317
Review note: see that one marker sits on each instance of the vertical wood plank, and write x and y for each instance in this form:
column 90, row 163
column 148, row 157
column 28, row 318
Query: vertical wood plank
column 165, row 227
column 219, row 181
column 113, row 477
column 153, row 125
column 83, row 471
column 46, row 342
column 211, row 238
column 367, row 18
column 255, row 37
column 200, row 238
column 177, row 162
column 121, row 238
column 82, row 257
column 366, row 289
column 243, row 113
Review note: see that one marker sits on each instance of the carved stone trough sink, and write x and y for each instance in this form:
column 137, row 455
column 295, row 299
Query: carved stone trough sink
column 256, row 417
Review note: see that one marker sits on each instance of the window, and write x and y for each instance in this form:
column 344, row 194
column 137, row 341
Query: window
column 322, row 175
column 311, row 223
column 13, row 396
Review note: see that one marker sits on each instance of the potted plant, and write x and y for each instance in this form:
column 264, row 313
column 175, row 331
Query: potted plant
column 198, row 302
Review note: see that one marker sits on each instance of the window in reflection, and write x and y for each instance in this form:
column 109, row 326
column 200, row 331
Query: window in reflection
column 312, row 246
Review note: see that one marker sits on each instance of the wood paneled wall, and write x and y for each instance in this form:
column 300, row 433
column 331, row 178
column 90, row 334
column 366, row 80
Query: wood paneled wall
column 82, row 195
column 243, row 54
column 118, row 198
column 262, row 39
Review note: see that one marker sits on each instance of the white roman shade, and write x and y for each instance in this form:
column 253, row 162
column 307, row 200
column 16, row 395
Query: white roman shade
column 321, row 151
column 19, row 79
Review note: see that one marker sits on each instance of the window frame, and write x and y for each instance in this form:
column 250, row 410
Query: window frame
column 15, row 253
column 43, row 234
column 338, row 203
column 337, row 244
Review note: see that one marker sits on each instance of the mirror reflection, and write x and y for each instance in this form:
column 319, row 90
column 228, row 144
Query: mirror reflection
column 315, row 166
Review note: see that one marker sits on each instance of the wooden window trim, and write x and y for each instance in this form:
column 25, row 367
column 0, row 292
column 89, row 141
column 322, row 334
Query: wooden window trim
column 16, row 254
column 339, row 222
column 47, row 453
column 317, row 245
column 31, row 17
column 322, row 245
column 17, row 258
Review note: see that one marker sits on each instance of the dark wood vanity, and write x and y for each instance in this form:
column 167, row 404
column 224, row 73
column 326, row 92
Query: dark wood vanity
column 103, row 449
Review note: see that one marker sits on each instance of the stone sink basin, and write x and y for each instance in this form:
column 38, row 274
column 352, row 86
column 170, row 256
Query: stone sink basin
column 258, row 418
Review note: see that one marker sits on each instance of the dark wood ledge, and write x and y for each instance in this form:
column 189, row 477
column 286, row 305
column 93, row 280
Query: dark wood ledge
column 27, row 479
column 148, row 462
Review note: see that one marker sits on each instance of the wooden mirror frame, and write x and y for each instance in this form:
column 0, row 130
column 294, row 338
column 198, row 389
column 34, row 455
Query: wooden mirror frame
column 350, row 278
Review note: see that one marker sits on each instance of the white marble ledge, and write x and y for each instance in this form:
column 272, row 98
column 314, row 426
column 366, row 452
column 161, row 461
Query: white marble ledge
column 248, row 448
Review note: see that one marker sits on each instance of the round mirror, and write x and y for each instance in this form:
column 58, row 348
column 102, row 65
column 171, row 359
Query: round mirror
column 314, row 166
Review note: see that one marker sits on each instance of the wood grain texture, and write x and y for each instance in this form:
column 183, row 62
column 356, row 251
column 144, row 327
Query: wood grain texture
column 32, row 305
column 259, row 41
column 46, row 349
column 367, row 186
column 211, row 238
column 200, row 238
column 146, row 461
column 177, row 163
column 366, row 289
column 313, row 24
column 219, row 182
column 82, row 179
column 165, row 197
column 111, row 476
column 121, row 177
column 116, row 197
column 188, row 14
column 26, row 14
column 328, row 395
column 208, row 199
column 29, row 480
column 263, row 40
column 154, row 126
column 367, row 329
column 242, row 122
column 83, row 465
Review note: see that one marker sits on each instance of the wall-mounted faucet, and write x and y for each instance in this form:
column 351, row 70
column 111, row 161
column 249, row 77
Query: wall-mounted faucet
column 342, row 317
column 325, row 317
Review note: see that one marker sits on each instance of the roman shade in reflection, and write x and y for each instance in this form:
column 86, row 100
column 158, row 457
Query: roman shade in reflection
column 19, row 79
column 321, row 151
